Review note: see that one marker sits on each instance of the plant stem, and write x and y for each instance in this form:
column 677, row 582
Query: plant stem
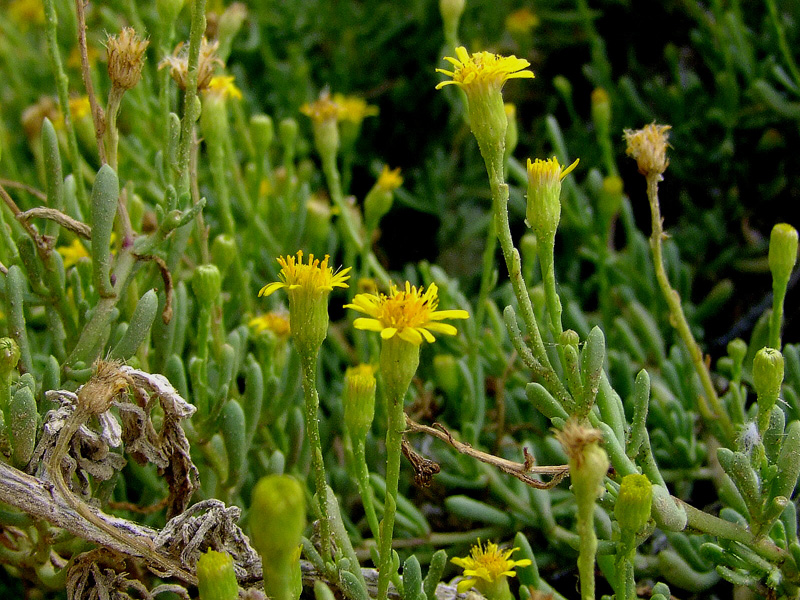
column 364, row 488
column 545, row 249
column 588, row 548
column 678, row 319
column 776, row 318
column 112, row 134
column 394, row 439
column 309, row 363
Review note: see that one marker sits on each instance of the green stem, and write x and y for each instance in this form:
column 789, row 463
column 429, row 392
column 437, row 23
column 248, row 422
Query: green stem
column 394, row 440
column 776, row 318
column 545, row 250
column 588, row 548
column 782, row 44
column 62, row 86
column 112, row 133
column 364, row 488
column 312, row 426
column 678, row 319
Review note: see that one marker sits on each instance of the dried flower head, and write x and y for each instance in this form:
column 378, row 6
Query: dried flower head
column 178, row 64
column 648, row 147
column 486, row 565
column 108, row 381
column 410, row 314
column 575, row 438
column 34, row 115
column 125, row 58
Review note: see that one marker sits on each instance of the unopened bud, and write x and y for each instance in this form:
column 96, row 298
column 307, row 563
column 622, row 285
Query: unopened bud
column 633, row 503
column 782, row 252
column 277, row 517
column 451, row 11
column 512, row 132
column 601, row 111
column 216, row 579
column 767, row 379
column 206, row 284
column 263, row 132
column 223, row 252
column 214, row 119
column 318, row 221
column 380, row 198
column 9, row 356
column 544, row 196
column 168, row 10
column 359, row 400
column 610, row 199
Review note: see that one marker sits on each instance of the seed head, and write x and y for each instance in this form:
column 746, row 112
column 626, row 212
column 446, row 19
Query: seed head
column 125, row 58
column 648, row 147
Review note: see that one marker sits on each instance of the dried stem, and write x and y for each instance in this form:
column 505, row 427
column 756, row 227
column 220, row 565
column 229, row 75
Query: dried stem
column 97, row 113
column 521, row 471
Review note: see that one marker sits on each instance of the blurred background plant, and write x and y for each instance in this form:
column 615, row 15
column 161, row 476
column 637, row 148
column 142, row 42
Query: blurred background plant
column 169, row 284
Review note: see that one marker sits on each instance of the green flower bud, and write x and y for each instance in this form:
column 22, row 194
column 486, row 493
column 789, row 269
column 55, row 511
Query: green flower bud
column 324, row 115
column 512, row 133
column 379, row 199
column 318, row 221
column 359, row 400
column 263, row 132
column 610, row 198
column 782, row 251
column 287, row 129
column 277, row 516
column 767, row 380
column 230, row 22
column 223, row 252
column 214, row 119
column 448, row 374
column 544, row 197
column 601, row 111
column 569, row 338
column 216, row 579
column 451, row 11
column 633, row 503
column 206, row 284
column 9, row 356
column 737, row 350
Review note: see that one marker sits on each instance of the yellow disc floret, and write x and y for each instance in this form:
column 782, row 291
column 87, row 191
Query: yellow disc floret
column 487, row 564
column 409, row 314
column 314, row 276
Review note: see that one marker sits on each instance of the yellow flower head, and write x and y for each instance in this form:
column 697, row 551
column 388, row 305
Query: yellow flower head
column 79, row 107
column 389, row 180
column 648, row 147
column 224, row 86
column 277, row 323
column 543, row 211
column 314, row 276
column 322, row 109
column 487, row 564
column 308, row 286
column 26, row 12
column 521, row 21
column 409, row 314
column 354, row 108
column 548, row 172
column 73, row 253
column 483, row 70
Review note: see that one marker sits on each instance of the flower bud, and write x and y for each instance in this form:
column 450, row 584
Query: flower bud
column 448, row 374
column 277, row 517
column 9, row 356
column 168, row 10
column 380, row 198
column 214, row 119
column 610, row 198
column 544, row 196
column 263, row 133
column 451, row 11
column 782, row 252
column 287, row 129
column 324, row 115
column 512, row 132
column 206, row 284
column 588, row 462
column 230, row 22
column 633, row 503
column 216, row 579
column 318, row 221
column 601, row 111
column 223, row 252
column 737, row 350
column 767, row 380
column 359, row 400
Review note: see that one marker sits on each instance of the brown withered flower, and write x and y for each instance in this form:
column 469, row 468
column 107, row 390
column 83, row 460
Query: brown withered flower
column 648, row 147
column 178, row 64
column 125, row 58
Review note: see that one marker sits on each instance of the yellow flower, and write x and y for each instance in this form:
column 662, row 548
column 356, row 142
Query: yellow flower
column 308, row 286
column 521, row 21
column 389, row 180
column 26, row 13
column 483, row 70
column 353, row 108
column 648, row 147
column 322, row 109
column 409, row 314
column 79, row 107
column 224, row 85
column 545, row 172
column 73, row 253
column 487, row 564
column 315, row 276
column 277, row 323
column 543, row 211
